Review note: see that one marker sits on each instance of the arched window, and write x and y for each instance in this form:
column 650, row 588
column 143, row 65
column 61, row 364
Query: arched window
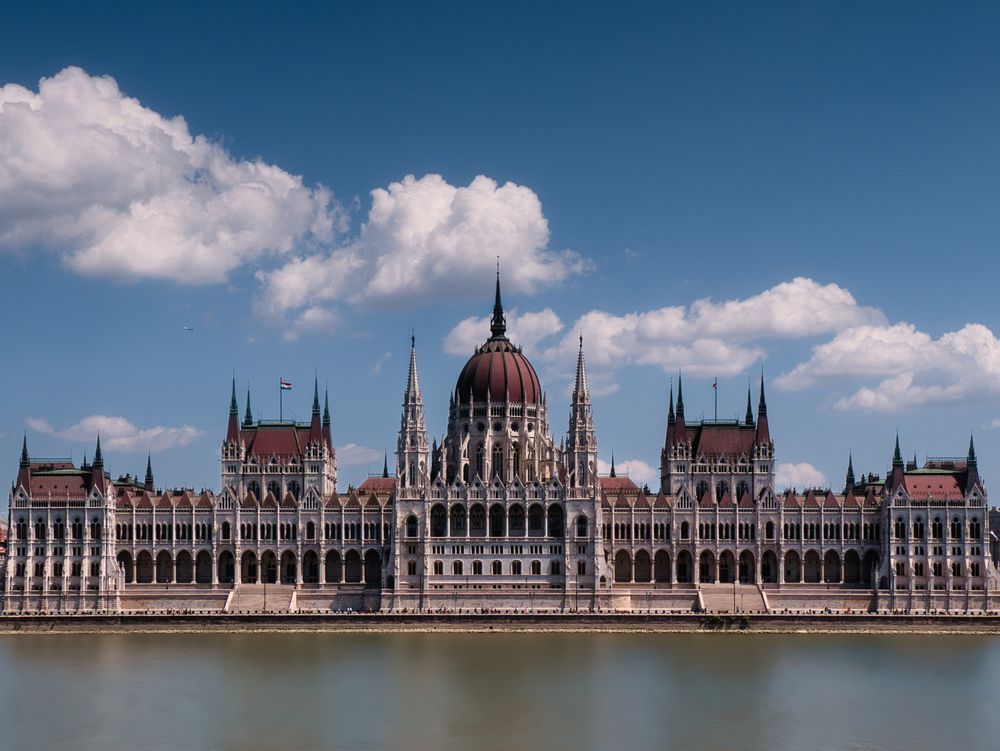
column 274, row 488
column 439, row 521
column 515, row 568
column 496, row 568
column 974, row 531
column 480, row 469
column 413, row 475
column 477, row 568
column 516, row 459
column 456, row 568
column 294, row 489
column 581, row 526
column 458, row 520
column 742, row 488
column 310, row 530
column 497, row 466
column 685, row 531
column 701, row 489
column 254, row 487
column 411, row 526
column 536, row 568
column 721, row 488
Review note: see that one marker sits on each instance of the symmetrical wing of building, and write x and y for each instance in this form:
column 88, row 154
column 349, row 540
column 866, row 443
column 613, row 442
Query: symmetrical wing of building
column 499, row 516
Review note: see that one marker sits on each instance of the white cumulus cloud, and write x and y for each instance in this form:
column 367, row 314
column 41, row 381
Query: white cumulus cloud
column 640, row 472
column 423, row 240
column 911, row 367
column 527, row 330
column 121, row 191
column 119, row 434
column 352, row 454
column 802, row 475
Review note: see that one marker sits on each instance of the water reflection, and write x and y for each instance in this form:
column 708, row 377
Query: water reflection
column 498, row 691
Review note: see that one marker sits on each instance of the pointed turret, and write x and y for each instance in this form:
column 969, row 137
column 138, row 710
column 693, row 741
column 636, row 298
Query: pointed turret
column 972, row 467
column 327, row 434
column 748, row 420
column 498, row 324
column 98, row 456
column 680, row 427
column 581, row 394
column 148, row 484
column 411, row 448
column 315, row 424
column 896, row 476
column 850, row 472
column 763, row 436
column 97, row 476
column 233, row 431
column 248, row 415
column 385, row 464
column 24, row 469
column 613, row 474
column 580, row 451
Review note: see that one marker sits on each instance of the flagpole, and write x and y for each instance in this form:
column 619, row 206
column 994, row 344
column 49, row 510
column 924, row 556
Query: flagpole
column 281, row 402
column 716, row 390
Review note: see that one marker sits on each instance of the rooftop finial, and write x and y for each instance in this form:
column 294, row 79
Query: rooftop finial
column 498, row 325
column 98, row 456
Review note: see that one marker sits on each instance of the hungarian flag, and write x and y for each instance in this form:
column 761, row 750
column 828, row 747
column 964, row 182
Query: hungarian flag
column 285, row 385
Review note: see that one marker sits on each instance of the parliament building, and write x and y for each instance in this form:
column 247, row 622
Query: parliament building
column 499, row 517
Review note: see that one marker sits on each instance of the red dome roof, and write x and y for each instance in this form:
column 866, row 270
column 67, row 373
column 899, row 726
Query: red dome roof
column 498, row 370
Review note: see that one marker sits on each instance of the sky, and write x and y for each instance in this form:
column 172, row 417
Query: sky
column 808, row 189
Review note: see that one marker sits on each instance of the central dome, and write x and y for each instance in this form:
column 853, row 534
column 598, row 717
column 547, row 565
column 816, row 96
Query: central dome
column 498, row 371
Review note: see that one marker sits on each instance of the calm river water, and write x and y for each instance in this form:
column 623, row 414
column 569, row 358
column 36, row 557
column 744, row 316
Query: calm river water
column 505, row 691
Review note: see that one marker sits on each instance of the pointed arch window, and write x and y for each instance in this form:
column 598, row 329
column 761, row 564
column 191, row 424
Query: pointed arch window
column 497, row 466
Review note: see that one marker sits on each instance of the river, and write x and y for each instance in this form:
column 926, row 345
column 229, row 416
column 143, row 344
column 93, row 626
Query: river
column 476, row 692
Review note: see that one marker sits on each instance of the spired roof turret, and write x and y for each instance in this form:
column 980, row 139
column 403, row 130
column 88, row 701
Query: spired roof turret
column 498, row 371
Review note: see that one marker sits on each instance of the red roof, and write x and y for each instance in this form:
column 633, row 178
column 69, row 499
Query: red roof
column 943, row 486
column 614, row 485
column 721, row 439
column 498, row 372
column 282, row 440
column 380, row 485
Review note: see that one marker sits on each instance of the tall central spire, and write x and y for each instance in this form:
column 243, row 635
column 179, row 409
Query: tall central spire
column 581, row 393
column 498, row 325
column 412, row 395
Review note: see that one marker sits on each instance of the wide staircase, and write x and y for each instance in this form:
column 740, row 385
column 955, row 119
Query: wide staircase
column 732, row 598
column 260, row 598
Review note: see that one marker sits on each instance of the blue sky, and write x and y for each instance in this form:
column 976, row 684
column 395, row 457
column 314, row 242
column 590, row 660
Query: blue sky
column 707, row 186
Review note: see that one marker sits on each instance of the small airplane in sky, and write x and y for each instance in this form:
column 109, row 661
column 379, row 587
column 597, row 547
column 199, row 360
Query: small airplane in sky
column 189, row 329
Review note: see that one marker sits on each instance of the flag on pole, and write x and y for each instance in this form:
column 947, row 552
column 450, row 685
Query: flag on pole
column 285, row 385
column 715, row 386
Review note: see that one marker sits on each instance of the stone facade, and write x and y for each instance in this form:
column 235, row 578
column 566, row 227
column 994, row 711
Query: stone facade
column 500, row 517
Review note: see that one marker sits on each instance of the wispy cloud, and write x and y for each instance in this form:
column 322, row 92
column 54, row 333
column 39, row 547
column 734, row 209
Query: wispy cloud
column 119, row 434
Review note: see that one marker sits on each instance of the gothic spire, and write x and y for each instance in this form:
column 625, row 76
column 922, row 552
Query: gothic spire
column 749, row 416
column 850, row 471
column 762, row 404
column 613, row 474
column 581, row 393
column 385, row 465
column 670, row 409
column 98, row 456
column 763, row 436
column 25, row 459
column 326, row 408
column 149, row 473
column 316, row 396
column 498, row 325
column 680, row 396
column 972, row 453
column 897, row 455
column 413, row 378
column 233, row 431
column 248, row 415
column 233, row 409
